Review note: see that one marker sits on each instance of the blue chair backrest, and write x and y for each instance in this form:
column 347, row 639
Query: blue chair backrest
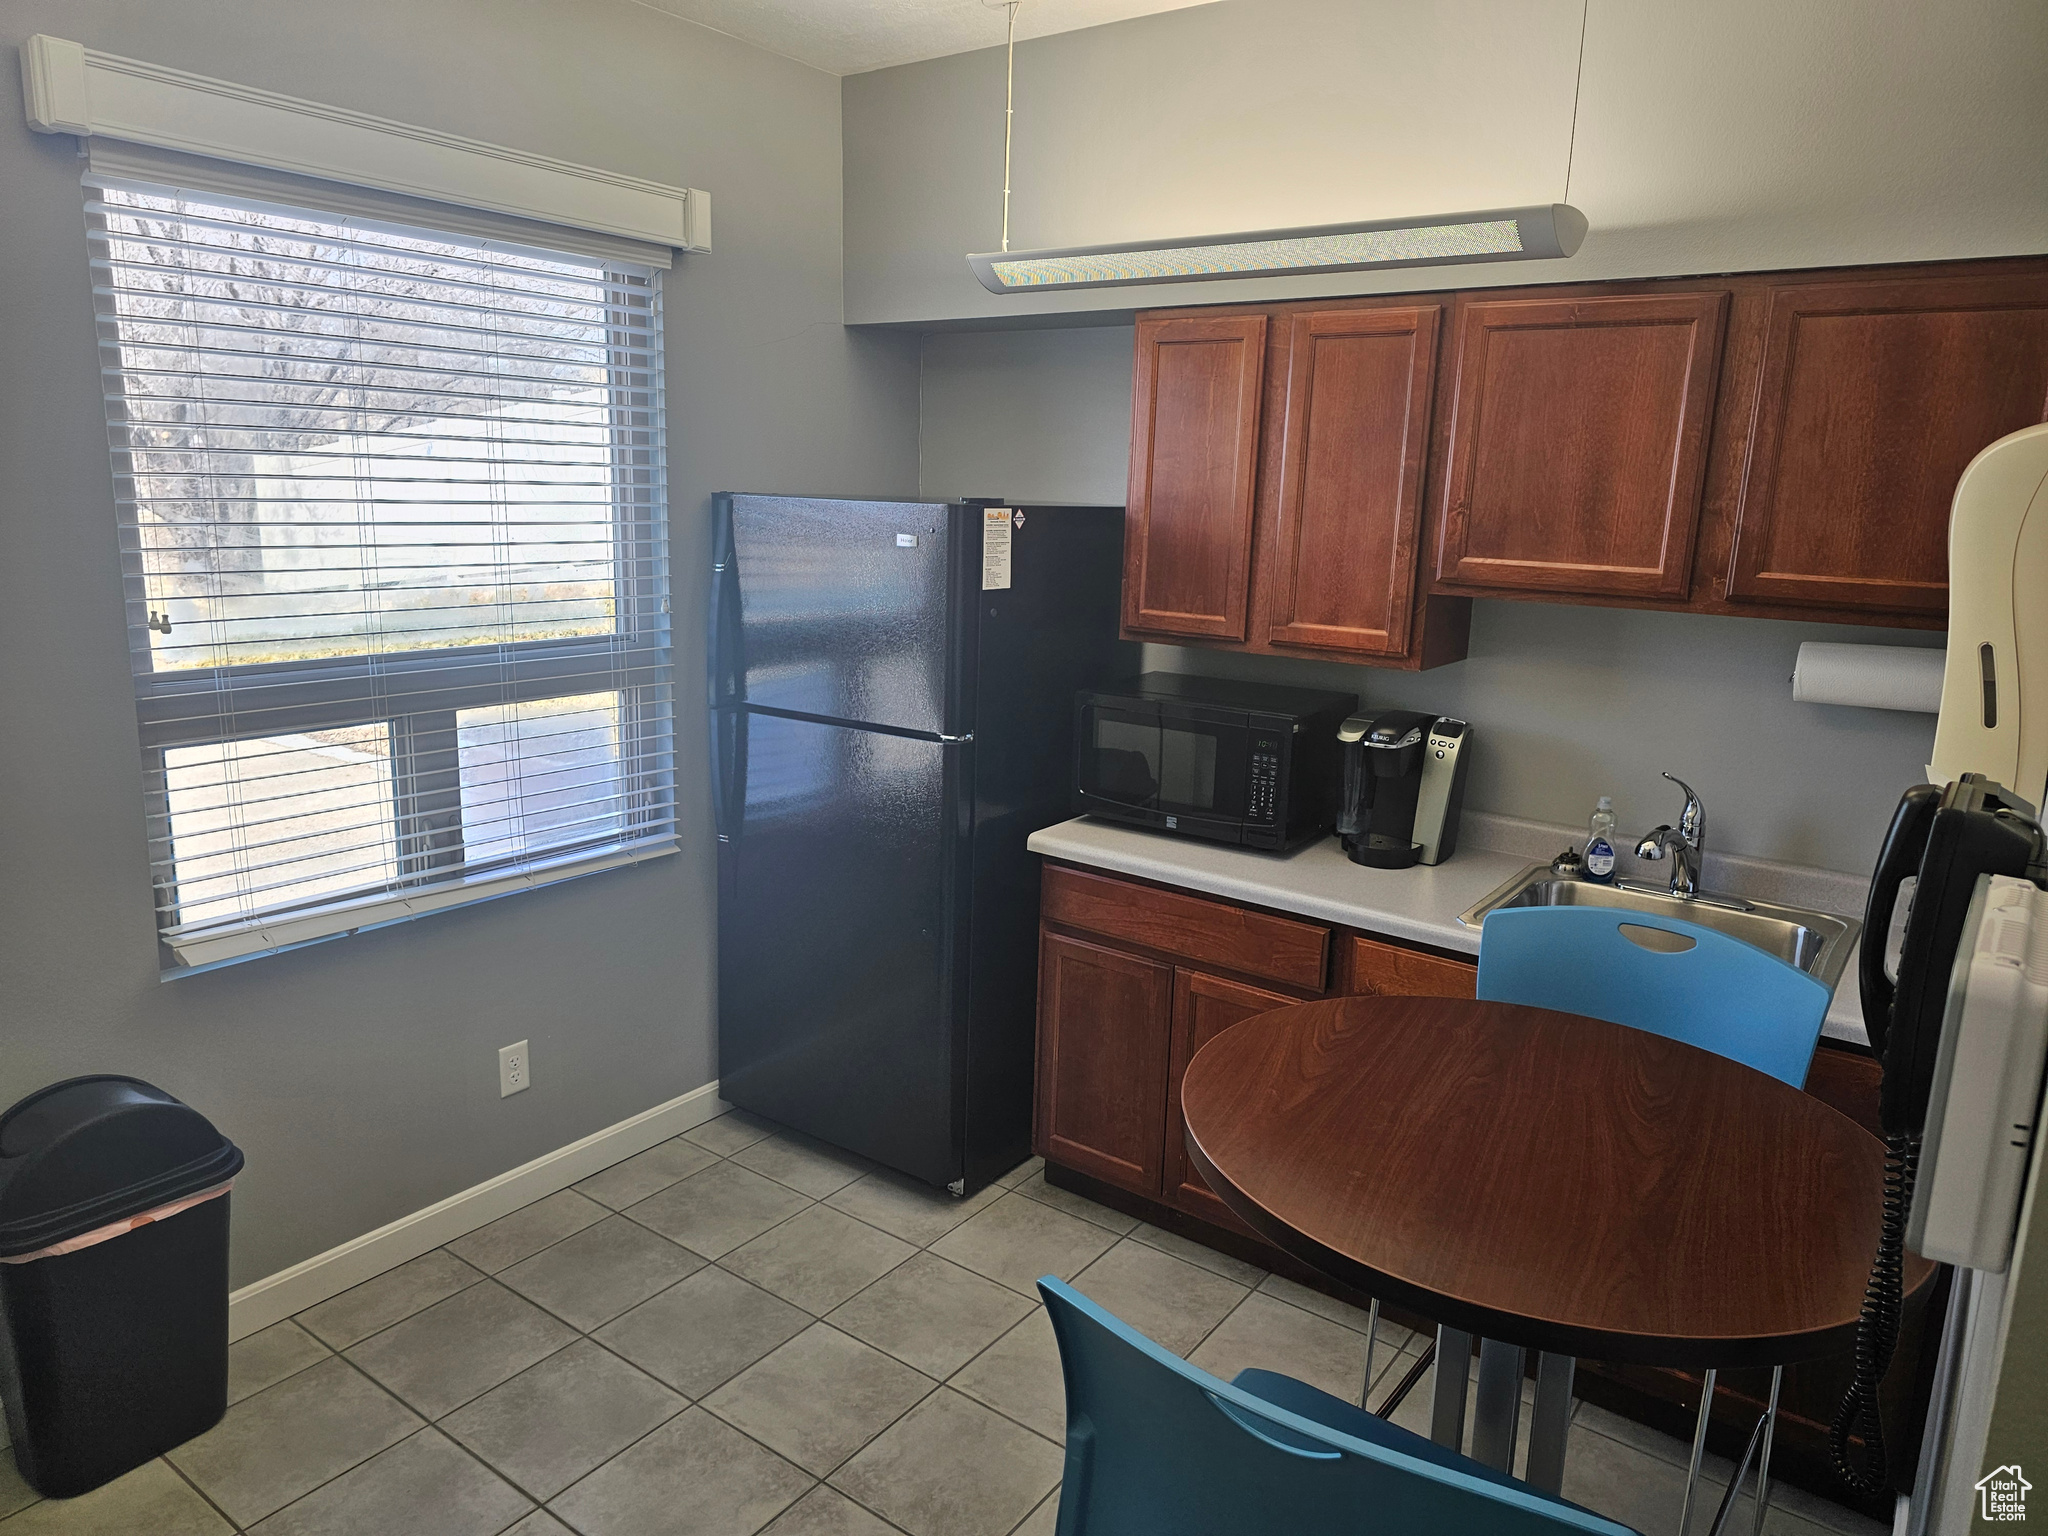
column 1717, row 993
column 1156, row 1447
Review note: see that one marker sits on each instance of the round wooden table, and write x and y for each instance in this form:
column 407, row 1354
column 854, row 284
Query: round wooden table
column 1546, row 1181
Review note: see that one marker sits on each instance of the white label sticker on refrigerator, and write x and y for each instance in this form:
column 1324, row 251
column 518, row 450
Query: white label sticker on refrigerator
column 906, row 541
column 995, row 549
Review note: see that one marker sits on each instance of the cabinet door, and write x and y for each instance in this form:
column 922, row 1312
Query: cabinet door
column 1194, row 454
column 1203, row 1007
column 1102, row 1023
column 1342, row 572
column 1577, row 443
column 1872, row 398
column 1386, row 970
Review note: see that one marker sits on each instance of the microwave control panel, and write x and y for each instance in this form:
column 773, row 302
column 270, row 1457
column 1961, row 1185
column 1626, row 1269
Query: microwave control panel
column 1265, row 785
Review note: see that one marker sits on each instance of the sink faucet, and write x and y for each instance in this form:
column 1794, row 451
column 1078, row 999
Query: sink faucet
column 1686, row 844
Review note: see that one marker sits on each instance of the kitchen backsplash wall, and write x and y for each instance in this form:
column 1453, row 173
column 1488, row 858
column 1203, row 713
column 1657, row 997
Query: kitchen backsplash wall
column 1567, row 703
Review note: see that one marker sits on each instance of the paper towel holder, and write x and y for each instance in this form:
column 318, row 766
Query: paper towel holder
column 1898, row 677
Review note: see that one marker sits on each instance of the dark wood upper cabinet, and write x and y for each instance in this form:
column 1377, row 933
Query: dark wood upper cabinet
column 1203, row 1007
column 1340, row 571
column 1102, row 1035
column 1306, row 480
column 1873, row 396
column 1577, row 443
column 1195, row 396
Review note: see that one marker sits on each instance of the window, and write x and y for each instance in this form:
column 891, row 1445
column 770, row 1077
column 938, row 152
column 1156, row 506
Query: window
column 394, row 543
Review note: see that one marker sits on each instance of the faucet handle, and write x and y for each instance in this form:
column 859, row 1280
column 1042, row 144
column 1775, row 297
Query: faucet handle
column 1693, row 824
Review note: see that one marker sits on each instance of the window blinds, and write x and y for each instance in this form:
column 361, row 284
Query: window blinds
column 394, row 547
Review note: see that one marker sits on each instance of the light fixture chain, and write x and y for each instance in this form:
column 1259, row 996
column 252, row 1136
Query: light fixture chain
column 1009, row 112
column 1578, row 82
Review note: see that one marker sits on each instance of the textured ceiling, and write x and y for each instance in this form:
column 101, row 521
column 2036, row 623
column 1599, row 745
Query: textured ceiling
column 846, row 37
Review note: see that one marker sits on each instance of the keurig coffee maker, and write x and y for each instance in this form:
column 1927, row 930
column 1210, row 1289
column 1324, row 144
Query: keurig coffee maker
column 1404, row 784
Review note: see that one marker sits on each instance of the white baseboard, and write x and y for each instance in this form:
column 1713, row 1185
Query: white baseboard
column 278, row 1296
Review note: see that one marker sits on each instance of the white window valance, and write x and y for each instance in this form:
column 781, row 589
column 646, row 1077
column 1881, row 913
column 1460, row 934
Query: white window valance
column 70, row 88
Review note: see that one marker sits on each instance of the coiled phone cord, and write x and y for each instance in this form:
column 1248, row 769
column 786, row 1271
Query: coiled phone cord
column 1877, row 1330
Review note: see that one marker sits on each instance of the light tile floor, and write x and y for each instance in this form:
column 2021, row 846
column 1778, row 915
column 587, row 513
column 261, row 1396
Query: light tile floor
column 741, row 1331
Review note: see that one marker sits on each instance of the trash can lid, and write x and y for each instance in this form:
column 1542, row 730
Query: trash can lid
column 88, row 1151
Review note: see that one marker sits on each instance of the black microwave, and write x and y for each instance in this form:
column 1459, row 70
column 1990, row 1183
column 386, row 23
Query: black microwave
column 1205, row 757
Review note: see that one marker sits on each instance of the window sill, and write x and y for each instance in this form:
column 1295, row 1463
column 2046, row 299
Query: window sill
column 217, row 945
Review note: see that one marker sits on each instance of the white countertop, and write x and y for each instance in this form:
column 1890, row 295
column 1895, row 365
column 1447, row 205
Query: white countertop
column 1420, row 905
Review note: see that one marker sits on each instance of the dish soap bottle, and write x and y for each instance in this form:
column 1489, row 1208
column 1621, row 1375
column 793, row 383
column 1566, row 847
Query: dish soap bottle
column 1599, row 860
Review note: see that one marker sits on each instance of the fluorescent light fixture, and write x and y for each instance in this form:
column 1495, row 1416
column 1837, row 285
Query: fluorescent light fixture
column 1548, row 230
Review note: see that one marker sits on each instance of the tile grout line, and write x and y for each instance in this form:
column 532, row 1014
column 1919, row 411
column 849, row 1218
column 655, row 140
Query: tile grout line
column 503, row 1477
column 1226, row 1317
column 839, row 1465
column 178, row 1472
column 701, row 1401
column 425, row 1423
column 1050, row 1498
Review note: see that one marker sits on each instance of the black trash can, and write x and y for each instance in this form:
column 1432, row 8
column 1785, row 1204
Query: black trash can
column 113, row 1278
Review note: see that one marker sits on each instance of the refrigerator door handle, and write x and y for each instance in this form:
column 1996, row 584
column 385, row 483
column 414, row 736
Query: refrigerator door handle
column 727, row 668
column 954, row 741
column 728, row 770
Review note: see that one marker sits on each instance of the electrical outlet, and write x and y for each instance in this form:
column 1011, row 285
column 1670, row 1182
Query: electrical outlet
column 515, row 1070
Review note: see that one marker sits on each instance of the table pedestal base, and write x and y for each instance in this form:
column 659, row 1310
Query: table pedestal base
column 1496, row 1414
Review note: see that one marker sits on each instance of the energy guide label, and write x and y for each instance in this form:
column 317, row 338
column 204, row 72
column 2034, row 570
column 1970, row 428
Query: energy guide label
column 995, row 549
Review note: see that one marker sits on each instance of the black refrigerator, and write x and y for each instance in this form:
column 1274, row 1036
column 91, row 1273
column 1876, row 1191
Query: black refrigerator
column 892, row 696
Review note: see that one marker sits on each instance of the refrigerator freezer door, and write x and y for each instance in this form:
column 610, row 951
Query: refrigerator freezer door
column 838, row 950
column 837, row 609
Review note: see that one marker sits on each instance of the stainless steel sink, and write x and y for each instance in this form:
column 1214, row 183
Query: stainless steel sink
column 1819, row 943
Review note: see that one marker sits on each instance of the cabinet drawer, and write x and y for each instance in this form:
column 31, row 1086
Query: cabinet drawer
column 1214, row 933
column 1387, row 970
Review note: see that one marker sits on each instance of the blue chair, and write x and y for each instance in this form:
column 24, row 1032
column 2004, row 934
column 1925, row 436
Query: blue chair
column 1675, row 979
column 1156, row 1447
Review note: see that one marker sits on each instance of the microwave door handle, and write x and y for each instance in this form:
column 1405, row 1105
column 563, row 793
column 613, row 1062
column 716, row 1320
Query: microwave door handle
column 1905, row 844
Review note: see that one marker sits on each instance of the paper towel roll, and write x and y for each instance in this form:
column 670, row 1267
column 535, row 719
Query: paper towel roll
column 1873, row 676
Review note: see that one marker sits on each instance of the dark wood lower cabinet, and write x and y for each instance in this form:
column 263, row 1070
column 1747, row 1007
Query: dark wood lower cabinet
column 1126, row 1001
column 1101, row 1060
column 1373, row 968
column 1203, row 1007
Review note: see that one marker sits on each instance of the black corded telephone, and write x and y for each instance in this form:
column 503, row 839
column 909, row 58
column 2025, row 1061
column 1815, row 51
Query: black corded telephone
column 1944, row 840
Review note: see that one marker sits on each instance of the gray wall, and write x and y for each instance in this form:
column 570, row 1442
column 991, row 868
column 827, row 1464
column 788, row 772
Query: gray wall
column 1721, row 135
column 361, row 1076
column 1567, row 703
